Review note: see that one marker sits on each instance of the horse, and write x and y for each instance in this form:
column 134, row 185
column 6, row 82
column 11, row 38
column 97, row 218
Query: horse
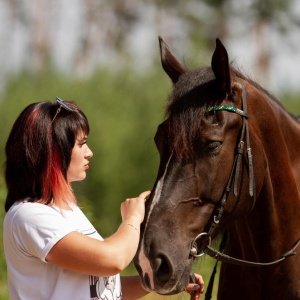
column 229, row 164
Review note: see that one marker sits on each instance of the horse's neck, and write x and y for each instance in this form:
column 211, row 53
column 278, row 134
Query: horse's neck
column 277, row 211
column 267, row 232
column 286, row 139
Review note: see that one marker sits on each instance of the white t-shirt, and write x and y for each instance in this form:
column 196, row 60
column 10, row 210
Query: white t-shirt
column 30, row 231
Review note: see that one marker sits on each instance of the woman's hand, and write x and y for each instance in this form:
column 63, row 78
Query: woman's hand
column 133, row 209
column 196, row 288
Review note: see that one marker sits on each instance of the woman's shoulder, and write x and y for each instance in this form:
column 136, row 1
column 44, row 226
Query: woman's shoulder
column 25, row 211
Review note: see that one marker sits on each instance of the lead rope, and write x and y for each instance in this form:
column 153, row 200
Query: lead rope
column 210, row 286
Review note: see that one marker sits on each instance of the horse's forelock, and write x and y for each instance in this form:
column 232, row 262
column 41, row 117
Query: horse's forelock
column 192, row 79
column 183, row 130
column 195, row 91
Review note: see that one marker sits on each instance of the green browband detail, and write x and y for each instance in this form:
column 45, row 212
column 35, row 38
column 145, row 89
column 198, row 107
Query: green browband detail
column 227, row 108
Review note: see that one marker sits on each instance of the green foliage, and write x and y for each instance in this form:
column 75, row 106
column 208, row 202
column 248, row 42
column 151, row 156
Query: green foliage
column 3, row 285
column 292, row 103
column 269, row 10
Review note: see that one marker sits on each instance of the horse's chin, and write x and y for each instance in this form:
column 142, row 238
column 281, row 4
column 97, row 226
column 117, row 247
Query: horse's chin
column 173, row 286
column 170, row 291
column 166, row 290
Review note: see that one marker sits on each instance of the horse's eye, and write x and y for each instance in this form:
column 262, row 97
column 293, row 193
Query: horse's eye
column 196, row 201
column 213, row 146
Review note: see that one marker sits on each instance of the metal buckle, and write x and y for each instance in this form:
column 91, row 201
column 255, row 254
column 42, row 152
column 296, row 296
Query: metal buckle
column 194, row 248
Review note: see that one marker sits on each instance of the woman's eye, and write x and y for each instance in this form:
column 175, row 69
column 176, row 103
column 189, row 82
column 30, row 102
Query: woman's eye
column 82, row 142
column 214, row 146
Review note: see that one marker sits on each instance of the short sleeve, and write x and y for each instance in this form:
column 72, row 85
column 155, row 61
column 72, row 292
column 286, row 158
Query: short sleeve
column 36, row 228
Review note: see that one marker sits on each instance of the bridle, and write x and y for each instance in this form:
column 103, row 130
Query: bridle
column 233, row 180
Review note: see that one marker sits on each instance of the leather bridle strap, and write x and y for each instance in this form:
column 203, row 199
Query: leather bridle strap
column 249, row 153
column 235, row 171
column 228, row 259
column 219, row 256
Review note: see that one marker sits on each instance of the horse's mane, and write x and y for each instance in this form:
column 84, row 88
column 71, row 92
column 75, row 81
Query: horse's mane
column 254, row 83
column 185, row 108
column 263, row 91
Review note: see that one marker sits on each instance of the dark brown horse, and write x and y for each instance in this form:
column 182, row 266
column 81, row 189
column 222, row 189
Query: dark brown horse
column 229, row 161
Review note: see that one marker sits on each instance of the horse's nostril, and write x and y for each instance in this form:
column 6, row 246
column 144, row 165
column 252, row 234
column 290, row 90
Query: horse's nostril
column 163, row 268
column 157, row 263
column 163, row 264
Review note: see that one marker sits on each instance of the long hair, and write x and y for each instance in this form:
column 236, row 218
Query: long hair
column 38, row 153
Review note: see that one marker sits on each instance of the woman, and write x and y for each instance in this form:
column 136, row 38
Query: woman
column 52, row 250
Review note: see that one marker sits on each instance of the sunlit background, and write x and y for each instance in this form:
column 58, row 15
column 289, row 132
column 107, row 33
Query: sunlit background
column 105, row 56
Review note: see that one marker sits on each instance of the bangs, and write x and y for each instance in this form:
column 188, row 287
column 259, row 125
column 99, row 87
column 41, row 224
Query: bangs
column 71, row 123
column 80, row 123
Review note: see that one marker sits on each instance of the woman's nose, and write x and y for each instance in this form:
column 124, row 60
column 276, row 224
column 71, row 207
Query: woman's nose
column 89, row 153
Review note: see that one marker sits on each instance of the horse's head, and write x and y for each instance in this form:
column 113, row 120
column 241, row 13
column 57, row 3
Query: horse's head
column 197, row 145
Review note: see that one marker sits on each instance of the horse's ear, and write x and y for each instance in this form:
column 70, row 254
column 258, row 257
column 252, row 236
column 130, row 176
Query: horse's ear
column 220, row 67
column 170, row 64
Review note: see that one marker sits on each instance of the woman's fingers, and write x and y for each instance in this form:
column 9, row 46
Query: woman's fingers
column 196, row 288
column 134, row 207
column 144, row 195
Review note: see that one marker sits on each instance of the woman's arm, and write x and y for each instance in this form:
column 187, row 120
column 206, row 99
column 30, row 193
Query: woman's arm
column 132, row 288
column 83, row 254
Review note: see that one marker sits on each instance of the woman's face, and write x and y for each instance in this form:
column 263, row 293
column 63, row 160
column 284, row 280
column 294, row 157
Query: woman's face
column 79, row 159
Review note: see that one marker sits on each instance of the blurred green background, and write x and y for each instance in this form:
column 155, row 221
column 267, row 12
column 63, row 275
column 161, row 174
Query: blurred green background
column 112, row 70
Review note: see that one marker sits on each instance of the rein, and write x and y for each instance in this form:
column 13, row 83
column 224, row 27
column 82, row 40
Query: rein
column 234, row 179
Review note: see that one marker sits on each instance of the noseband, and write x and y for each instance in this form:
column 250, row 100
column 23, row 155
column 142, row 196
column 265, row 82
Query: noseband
column 233, row 180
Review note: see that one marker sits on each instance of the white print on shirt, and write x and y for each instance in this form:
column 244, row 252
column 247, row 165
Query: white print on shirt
column 104, row 288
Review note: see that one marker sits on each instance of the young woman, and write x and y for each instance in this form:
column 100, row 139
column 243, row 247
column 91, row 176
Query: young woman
column 51, row 248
